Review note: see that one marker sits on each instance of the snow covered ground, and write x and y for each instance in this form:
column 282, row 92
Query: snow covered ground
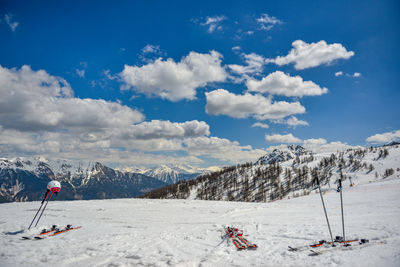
column 142, row 232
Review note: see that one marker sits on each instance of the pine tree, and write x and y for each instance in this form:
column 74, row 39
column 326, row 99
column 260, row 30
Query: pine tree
column 385, row 153
column 371, row 168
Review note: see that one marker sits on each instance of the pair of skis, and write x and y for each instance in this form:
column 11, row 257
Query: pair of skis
column 237, row 238
column 360, row 243
column 53, row 231
column 325, row 244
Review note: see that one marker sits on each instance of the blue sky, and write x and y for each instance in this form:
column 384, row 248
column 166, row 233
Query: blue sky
column 209, row 83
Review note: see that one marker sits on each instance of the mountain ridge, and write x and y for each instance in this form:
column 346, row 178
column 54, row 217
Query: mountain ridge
column 170, row 173
column 285, row 174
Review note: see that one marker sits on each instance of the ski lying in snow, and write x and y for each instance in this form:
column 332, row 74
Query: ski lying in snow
column 323, row 243
column 238, row 240
column 43, row 233
column 314, row 253
column 231, row 233
column 239, row 245
column 247, row 243
column 51, row 232
column 361, row 244
column 336, row 242
column 57, row 232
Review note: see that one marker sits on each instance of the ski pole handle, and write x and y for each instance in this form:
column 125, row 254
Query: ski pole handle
column 339, row 185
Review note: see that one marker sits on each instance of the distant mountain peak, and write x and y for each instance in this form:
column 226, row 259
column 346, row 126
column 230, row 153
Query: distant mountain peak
column 393, row 143
column 281, row 155
column 297, row 149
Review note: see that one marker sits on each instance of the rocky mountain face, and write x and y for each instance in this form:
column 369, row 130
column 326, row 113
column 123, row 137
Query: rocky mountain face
column 26, row 179
column 281, row 155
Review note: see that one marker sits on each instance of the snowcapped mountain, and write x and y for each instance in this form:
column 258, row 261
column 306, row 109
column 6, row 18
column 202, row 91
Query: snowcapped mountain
column 280, row 155
column 289, row 173
column 170, row 174
column 43, row 166
column 24, row 179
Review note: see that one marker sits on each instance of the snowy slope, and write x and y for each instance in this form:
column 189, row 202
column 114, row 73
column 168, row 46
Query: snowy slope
column 289, row 173
column 142, row 232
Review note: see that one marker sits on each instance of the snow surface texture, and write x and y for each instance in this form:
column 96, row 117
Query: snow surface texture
column 142, row 232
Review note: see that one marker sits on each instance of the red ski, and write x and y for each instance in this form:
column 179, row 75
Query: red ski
column 237, row 238
column 51, row 232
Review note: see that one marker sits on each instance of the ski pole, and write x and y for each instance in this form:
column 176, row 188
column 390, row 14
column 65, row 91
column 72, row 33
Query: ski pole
column 326, row 215
column 44, row 209
column 341, row 206
column 45, row 196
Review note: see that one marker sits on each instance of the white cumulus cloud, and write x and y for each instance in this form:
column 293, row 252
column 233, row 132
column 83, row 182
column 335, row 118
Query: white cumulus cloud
column 267, row 22
column 315, row 141
column 384, row 138
column 65, row 145
column 12, row 24
column 316, row 145
column 339, row 73
column 320, row 145
column 354, row 75
column 151, row 49
column 175, row 80
column 261, row 125
column 236, row 48
column 279, row 83
column 255, row 64
column 213, row 23
column 157, row 129
column 278, row 138
column 293, row 121
column 222, row 149
column 80, row 73
column 305, row 55
column 150, row 52
column 34, row 100
column 222, row 102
